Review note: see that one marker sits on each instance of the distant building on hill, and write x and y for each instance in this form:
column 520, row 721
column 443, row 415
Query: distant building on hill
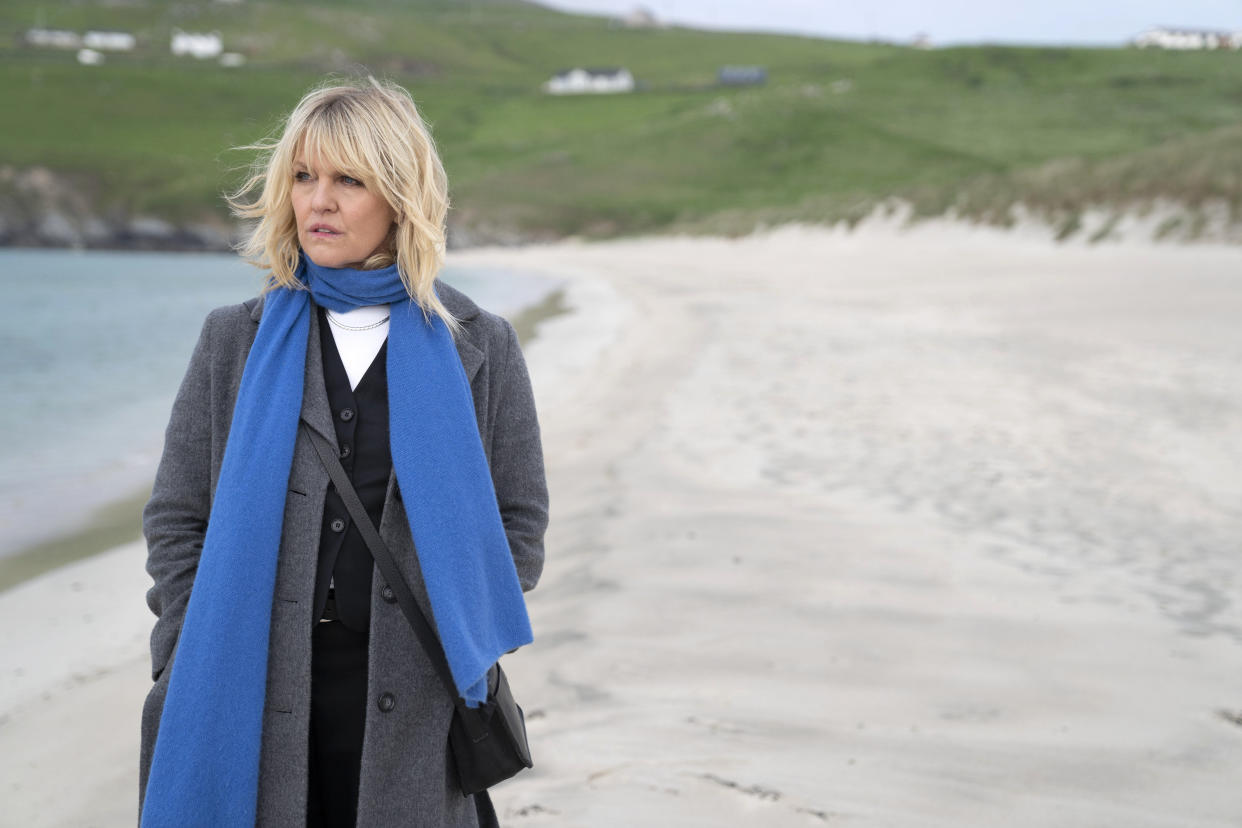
column 54, row 38
column 196, row 44
column 597, row 81
column 1187, row 39
column 640, row 17
column 742, row 76
column 110, row 41
column 89, row 57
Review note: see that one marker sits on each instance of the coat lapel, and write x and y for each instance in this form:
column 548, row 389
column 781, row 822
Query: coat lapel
column 471, row 357
column 315, row 408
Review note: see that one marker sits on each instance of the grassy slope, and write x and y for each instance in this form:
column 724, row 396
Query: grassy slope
column 838, row 126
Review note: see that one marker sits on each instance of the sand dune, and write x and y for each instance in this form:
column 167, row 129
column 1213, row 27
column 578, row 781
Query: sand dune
column 928, row 528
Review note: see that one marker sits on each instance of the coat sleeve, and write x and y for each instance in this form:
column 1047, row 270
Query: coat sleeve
column 517, row 460
column 175, row 518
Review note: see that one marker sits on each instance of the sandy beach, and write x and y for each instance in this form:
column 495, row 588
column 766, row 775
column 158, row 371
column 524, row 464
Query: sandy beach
column 936, row 527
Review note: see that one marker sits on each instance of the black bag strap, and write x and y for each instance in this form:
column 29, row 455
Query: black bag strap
column 383, row 559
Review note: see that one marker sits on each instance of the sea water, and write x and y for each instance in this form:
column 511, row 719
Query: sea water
column 93, row 346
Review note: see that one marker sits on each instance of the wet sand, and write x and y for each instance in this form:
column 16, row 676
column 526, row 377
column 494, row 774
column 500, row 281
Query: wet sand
column 927, row 528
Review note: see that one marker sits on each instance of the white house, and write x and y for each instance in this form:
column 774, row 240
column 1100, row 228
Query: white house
column 1187, row 39
column 54, row 38
column 89, row 57
column 110, row 41
column 196, row 44
column 579, row 81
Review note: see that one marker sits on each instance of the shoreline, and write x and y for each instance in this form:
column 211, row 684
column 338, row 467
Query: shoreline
column 119, row 522
column 933, row 527
column 1151, row 219
column 115, row 524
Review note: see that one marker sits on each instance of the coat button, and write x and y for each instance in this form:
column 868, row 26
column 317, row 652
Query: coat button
column 388, row 595
column 347, row 414
column 345, row 451
column 337, row 525
column 386, row 702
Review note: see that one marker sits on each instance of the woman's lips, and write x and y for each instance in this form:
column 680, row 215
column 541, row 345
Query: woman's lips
column 323, row 232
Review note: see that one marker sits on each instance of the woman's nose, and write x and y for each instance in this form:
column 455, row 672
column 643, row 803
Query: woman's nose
column 321, row 197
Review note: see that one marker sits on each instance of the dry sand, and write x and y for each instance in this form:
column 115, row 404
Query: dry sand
column 935, row 528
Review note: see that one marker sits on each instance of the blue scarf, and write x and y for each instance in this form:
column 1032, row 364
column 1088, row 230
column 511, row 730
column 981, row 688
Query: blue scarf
column 205, row 770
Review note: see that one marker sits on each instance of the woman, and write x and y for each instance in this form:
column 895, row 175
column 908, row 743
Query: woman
column 289, row 687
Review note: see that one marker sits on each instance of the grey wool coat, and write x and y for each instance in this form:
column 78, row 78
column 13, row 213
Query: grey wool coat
column 406, row 776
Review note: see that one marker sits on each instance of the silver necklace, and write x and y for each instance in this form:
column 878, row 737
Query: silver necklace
column 345, row 327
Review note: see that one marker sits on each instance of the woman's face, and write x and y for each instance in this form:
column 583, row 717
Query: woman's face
column 340, row 222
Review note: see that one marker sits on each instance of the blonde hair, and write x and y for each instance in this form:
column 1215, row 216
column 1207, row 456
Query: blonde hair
column 372, row 131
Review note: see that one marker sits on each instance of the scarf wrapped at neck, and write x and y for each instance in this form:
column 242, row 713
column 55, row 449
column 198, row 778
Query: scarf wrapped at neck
column 206, row 764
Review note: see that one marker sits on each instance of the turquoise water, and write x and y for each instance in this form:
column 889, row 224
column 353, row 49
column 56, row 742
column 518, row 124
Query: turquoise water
column 92, row 349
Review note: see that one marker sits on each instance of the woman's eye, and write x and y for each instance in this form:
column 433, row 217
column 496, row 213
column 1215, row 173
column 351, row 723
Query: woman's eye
column 345, row 179
column 301, row 176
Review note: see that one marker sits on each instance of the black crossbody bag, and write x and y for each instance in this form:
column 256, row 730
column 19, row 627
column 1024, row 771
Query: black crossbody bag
column 488, row 742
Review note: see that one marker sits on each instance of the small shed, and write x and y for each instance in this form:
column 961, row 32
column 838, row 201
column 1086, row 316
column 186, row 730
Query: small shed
column 742, row 76
column 109, row 41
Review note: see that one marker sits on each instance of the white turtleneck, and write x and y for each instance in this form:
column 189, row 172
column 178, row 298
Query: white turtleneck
column 358, row 348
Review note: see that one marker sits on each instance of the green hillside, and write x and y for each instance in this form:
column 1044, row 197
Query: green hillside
column 838, row 126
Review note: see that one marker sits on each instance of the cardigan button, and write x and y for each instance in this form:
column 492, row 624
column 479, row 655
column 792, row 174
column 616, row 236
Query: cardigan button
column 388, row 595
column 386, row 702
column 347, row 414
column 337, row 525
